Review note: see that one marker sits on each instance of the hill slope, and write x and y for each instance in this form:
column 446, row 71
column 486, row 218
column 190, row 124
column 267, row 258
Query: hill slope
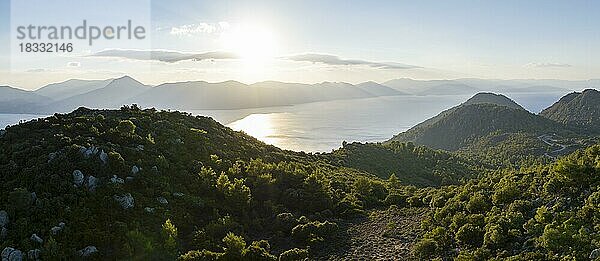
column 70, row 88
column 478, row 117
column 14, row 100
column 577, row 109
column 148, row 185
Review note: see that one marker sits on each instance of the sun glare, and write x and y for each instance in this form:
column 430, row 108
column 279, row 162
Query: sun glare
column 253, row 44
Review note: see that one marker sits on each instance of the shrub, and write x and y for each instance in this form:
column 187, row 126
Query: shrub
column 294, row 254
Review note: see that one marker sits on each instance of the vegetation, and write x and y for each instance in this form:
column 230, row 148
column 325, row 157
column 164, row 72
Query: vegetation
column 157, row 185
column 166, row 185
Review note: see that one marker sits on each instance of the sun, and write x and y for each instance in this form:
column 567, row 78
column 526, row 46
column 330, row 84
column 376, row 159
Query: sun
column 254, row 44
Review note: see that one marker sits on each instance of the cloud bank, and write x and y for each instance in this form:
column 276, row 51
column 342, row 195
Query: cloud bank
column 164, row 56
column 548, row 65
column 335, row 60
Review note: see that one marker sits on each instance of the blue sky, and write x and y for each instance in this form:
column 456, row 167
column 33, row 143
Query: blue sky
column 445, row 39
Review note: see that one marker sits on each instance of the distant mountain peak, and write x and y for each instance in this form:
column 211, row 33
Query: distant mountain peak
column 492, row 98
column 577, row 108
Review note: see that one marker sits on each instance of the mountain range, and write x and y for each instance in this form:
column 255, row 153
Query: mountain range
column 112, row 93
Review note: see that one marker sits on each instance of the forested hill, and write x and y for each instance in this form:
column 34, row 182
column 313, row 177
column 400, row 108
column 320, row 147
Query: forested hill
column 156, row 185
column 460, row 126
column 578, row 109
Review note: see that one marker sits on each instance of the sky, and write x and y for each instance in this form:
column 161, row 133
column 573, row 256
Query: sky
column 311, row 41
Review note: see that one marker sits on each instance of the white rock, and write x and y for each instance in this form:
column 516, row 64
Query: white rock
column 92, row 183
column 149, row 209
column 77, row 177
column 178, row 194
column 34, row 254
column 162, row 200
column 52, row 156
column 135, row 170
column 140, row 147
column 87, row 251
column 11, row 254
column 595, row 254
column 116, row 180
column 103, row 157
column 126, row 201
column 3, row 218
column 55, row 230
column 35, row 238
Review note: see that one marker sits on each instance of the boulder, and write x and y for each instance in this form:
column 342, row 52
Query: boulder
column 103, row 157
column 140, row 147
column 155, row 169
column 92, row 183
column 178, row 194
column 77, row 177
column 34, row 254
column 55, row 230
column 149, row 209
column 11, row 254
column 3, row 233
column 126, row 201
column 162, row 200
column 87, row 251
column 35, row 238
column 135, row 170
column 90, row 152
column 52, row 156
column 3, row 218
column 595, row 254
column 116, row 180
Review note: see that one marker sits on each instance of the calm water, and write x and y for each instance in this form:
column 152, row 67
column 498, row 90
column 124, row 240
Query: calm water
column 322, row 126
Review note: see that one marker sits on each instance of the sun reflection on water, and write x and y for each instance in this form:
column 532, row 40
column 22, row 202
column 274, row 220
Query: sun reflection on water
column 260, row 126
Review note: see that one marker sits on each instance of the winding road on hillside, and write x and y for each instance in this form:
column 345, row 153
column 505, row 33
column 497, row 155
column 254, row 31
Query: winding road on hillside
column 550, row 141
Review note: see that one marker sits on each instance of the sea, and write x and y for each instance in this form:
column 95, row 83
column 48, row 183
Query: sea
column 323, row 126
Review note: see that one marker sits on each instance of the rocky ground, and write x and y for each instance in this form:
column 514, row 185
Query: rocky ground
column 383, row 235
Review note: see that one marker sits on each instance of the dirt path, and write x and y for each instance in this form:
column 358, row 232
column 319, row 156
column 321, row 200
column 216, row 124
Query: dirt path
column 384, row 235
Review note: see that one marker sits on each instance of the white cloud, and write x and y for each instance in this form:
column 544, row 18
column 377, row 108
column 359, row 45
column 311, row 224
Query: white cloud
column 548, row 65
column 74, row 64
column 164, row 55
column 201, row 28
column 335, row 60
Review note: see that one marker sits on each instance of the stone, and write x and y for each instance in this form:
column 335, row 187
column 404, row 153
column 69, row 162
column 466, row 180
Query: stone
column 77, row 177
column 52, row 156
column 178, row 194
column 126, row 201
column 33, row 197
column 103, row 157
column 140, row 147
column 3, row 218
column 87, row 251
column 162, row 200
column 91, row 151
column 37, row 239
column 135, row 170
column 34, row 254
column 116, row 180
column 595, row 254
column 149, row 209
column 61, row 224
column 92, row 183
column 55, row 230
column 11, row 254
column 3, row 233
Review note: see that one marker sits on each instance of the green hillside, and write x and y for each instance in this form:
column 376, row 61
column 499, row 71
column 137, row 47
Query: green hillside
column 414, row 165
column 577, row 109
column 150, row 185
